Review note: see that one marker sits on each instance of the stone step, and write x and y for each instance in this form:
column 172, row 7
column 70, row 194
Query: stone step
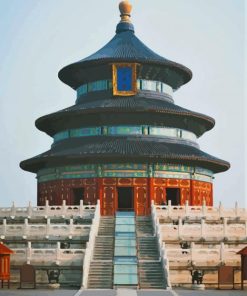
column 156, row 287
column 148, row 274
column 95, row 277
column 99, row 265
column 144, row 252
column 99, row 271
column 144, row 245
column 100, row 247
column 102, row 257
column 149, row 266
column 100, row 242
column 107, row 238
column 96, row 250
column 101, row 286
column 148, row 255
column 148, row 258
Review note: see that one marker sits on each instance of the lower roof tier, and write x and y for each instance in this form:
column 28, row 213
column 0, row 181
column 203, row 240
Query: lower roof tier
column 123, row 149
column 139, row 109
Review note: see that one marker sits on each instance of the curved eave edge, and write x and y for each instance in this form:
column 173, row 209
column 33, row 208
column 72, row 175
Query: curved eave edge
column 33, row 164
column 66, row 73
column 41, row 123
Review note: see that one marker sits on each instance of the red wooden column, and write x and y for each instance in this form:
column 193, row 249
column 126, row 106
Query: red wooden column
column 243, row 254
column 5, row 253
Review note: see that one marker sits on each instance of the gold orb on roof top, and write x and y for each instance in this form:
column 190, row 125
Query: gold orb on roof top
column 125, row 9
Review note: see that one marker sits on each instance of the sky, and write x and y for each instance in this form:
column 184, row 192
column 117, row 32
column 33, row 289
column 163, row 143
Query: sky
column 39, row 37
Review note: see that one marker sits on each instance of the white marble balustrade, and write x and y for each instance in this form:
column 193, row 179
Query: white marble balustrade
column 27, row 230
column 198, row 212
column 90, row 246
column 162, row 249
column 205, row 231
column 41, row 256
column 220, row 254
column 48, row 211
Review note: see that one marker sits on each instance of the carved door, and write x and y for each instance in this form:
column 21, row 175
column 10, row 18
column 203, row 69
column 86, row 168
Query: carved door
column 141, row 204
column 158, row 195
column 108, row 201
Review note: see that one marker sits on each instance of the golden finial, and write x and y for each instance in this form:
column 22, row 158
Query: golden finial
column 125, row 9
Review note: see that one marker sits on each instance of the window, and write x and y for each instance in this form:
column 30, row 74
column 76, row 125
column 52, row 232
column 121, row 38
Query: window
column 125, row 130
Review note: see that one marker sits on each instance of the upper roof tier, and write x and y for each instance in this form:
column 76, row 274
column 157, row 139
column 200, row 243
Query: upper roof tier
column 125, row 47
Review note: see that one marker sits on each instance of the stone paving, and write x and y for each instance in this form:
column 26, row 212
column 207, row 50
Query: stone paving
column 32, row 292
column 27, row 292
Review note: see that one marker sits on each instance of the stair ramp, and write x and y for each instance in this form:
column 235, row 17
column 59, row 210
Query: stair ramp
column 125, row 259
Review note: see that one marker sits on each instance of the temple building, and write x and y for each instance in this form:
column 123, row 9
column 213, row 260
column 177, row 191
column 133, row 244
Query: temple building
column 125, row 195
column 125, row 141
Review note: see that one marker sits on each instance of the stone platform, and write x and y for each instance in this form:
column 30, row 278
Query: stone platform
column 26, row 292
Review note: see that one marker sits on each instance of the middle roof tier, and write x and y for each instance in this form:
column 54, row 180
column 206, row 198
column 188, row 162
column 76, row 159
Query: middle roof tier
column 142, row 109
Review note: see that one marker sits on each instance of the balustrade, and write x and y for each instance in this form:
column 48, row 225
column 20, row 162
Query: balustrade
column 198, row 212
column 42, row 256
column 48, row 211
column 203, row 231
column 161, row 245
column 90, row 245
column 27, row 230
column 220, row 254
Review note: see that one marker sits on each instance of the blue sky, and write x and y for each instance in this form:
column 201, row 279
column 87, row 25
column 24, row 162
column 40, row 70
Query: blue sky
column 39, row 37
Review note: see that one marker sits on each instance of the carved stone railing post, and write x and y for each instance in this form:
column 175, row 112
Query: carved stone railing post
column 47, row 208
column 64, row 207
column 4, row 229
column 71, row 228
column 202, row 229
column 13, row 210
column 169, row 208
column 29, row 210
column 29, row 252
column 48, row 226
column 25, row 229
column 192, row 257
column 81, row 208
column 187, row 208
column 220, row 210
column 58, row 253
column 222, row 251
column 236, row 210
column 225, row 232
column 180, row 228
column 154, row 217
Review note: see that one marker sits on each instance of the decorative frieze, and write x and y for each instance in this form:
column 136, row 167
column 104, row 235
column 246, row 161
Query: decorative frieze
column 168, row 171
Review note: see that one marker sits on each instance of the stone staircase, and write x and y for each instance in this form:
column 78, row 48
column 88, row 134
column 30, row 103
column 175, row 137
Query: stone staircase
column 148, row 248
column 107, row 226
column 144, row 226
column 101, row 268
column 150, row 271
column 151, row 275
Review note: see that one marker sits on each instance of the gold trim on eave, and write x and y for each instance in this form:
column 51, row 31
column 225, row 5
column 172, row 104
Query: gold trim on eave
column 133, row 91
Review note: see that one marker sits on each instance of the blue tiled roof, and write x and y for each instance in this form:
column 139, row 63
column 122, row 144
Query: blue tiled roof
column 125, row 148
column 126, row 47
